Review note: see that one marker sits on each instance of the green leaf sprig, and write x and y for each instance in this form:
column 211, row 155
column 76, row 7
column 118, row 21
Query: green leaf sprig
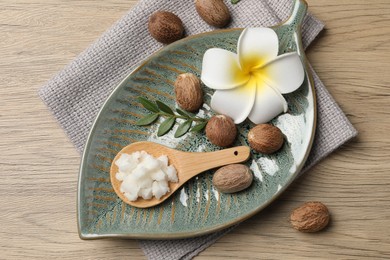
column 235, row 1
column 158, row 109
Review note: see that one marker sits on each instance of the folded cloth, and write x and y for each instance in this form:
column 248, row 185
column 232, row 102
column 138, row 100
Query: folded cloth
column 76, row 94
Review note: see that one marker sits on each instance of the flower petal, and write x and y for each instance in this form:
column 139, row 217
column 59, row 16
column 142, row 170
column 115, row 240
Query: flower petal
column 268, row 104
column 236, row 103
column 285, row 73
column 256, row 47
column 221, row 70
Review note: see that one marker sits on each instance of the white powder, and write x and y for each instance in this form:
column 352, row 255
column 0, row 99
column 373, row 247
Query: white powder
column 143, row 175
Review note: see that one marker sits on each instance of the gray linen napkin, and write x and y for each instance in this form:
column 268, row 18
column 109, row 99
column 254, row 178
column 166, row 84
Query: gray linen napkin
column 76, row 94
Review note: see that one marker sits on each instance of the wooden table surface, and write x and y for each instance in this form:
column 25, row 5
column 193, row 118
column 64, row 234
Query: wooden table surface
column 39, row 165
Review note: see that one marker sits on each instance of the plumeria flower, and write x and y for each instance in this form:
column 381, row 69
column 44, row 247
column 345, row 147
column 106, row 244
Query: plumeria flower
column 251, row 82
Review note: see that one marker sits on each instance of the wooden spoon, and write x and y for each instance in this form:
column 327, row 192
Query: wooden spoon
column 187, row 165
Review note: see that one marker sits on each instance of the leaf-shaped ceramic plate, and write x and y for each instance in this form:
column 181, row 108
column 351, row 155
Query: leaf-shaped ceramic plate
column 197, row 208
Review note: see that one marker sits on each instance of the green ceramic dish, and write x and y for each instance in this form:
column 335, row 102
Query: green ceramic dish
column 197, row 208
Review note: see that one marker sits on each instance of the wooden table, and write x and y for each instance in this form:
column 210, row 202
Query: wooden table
column 39, row 165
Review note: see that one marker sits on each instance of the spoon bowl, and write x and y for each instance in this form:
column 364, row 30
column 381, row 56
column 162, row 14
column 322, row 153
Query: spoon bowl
column 187, row 164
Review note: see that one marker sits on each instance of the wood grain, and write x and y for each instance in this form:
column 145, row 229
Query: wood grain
column 39, row 165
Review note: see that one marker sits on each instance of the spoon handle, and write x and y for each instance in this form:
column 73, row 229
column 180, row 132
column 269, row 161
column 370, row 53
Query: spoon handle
column 194, row 163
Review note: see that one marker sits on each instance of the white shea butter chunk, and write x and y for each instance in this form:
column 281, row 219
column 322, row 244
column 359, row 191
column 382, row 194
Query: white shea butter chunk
column 143, row 175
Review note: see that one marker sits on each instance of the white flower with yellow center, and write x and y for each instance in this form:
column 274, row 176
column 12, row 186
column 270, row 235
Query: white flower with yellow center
column 251, row 82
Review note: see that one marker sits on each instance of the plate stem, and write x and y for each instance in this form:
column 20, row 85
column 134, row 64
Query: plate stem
column 297, row 15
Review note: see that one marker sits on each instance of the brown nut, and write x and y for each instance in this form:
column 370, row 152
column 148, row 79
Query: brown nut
column 213, row 12
column 221, row 130
column 232, row 178
column 188, row 90
column 310, row 217
column 165, row 27
column 265, row 138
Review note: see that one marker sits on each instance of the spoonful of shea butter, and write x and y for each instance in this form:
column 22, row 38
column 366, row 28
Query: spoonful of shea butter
column 144, row 174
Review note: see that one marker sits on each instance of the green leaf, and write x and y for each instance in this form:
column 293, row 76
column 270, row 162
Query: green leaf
column 148, row 105
column 182, row 113
column 235, row 1
column 199, row 127
column 183, row 128
column 166, row 126
column 164, row 107
column 147, row 120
